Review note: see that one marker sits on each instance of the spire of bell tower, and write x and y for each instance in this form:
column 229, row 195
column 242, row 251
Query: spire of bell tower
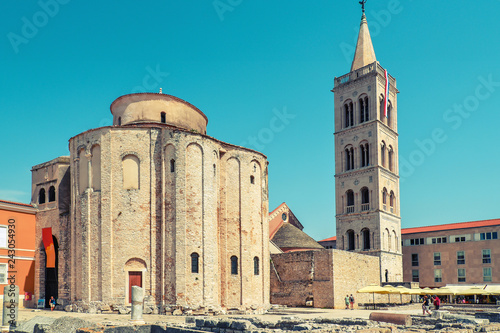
column 365, row 54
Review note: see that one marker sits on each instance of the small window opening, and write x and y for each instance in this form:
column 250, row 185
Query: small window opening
column 172, row 165
column 256, row 266
column 163, row 117
column 119, row 121
column 252, row 180
column 52, row 194
column 195, row 262
column 234, row 265
column 215, row 170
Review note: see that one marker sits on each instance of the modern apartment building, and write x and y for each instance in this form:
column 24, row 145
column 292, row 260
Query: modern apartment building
column 457, row 253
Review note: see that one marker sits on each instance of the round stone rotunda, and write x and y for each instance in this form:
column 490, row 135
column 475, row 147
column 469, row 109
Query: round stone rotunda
column 155, row 202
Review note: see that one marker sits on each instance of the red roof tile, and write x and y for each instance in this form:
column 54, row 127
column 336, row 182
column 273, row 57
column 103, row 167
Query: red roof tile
column 451, row 226
column 16, row 203
column 329, row 239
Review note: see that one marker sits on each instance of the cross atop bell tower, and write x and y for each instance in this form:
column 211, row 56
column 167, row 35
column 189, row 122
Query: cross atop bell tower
column 366, row 160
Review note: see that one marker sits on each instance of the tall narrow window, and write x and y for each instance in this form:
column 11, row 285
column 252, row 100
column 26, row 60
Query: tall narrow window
column 391, row 158
column 172, row 165
column 487, row 256
column 384, row 197
column 486, row 274
column 382, row 154
column 96, row 167
column 415, row 276
column 461, row 258
column 256, row 266
column 392, row 200
column 252, row 180
column 438, row 275
column 350, row 240
column 41, row 196
column 437, row 258
column 461, row 275
column 349, row 114
column 349, row 158
column 364, row 154
column 350, row 201
column 195, row 262
column 389, row 109
column 366, row 239
column 367, row 113
column 119, row 121
column 163, row 117
column 234, row 265
column 361, row 103
column 130, row 167
column 414, row 259
column 365, row 199
column 52, row 194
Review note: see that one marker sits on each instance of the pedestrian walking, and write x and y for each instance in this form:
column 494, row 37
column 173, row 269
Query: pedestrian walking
column 351, row 301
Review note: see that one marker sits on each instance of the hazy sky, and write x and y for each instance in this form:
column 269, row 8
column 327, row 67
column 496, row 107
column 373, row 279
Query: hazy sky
column 262, row 72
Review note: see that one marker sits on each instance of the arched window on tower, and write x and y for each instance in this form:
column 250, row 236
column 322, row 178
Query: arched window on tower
column 384, row 198
column 366, row 238
column 389, row 111
column 363, row 109
column 382, row 154
column 365, row 199
column 52, row 194
column 349, row 201
column 391, row 158
column 349, row 114
column 234, row 265
column 350, row 240
column 41, row 196
column 392, row 201
column 382, row 115
column 349, row 158
column 364, row 150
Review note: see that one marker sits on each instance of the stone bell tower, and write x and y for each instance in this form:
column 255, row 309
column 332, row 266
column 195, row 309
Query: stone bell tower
column 366, row 160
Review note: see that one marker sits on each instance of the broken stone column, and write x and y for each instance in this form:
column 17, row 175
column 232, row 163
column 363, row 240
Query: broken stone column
column 10, row 306
column 137, row 305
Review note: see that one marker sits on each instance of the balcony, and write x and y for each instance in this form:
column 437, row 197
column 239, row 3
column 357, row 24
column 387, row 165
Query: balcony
column 365, row 207
column 350, row 209
column 373, row 67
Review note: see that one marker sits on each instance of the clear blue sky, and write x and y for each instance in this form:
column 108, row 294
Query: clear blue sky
column 243, row 62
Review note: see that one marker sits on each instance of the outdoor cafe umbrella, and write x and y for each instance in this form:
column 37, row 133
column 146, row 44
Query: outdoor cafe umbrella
column 374, row 289
column 445, row 291
column 475, row 290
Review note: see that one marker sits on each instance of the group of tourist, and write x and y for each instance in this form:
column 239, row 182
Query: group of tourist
column 349, row 301
column 426, row 303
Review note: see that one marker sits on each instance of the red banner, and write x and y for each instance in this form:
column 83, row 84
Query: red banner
column 50, row 251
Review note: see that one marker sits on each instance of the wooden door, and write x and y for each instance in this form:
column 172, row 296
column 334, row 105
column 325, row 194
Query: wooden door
column 134, row 279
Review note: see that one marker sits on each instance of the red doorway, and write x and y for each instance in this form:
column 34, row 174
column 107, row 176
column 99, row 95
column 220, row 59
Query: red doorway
column 134, row 279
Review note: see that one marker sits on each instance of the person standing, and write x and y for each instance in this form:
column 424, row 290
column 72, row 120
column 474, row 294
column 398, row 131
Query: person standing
column 347, row 301
column 351, row 300
column 52, row 303
column 425, row 305
column 437, row 302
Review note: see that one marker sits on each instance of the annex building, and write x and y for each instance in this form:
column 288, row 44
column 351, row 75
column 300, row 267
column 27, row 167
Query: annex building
column 17, row 249
column 456, row 253
column 153, row 201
